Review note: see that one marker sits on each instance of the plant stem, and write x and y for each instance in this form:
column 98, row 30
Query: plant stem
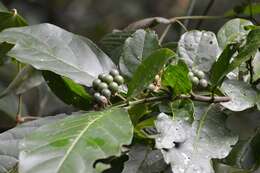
column 20, row 100
column 164, row 33
column 189, row 12
column 250, row 69
column 173, row 19
column 192, row 96
column 205, row 12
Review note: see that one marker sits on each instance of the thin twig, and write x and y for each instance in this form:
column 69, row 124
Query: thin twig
column 189, row 12
column 164, row 33
column 205, row 12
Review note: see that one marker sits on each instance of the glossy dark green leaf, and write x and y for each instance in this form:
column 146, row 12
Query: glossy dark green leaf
column 176, row 77
column 11, row 19
column 75, row 143
column 48, row 47
column 245, row 53
column 68, row 91
column 9, row 141
column 136, row 49
column 112, row 44
column 147, row 70
column 221, row 65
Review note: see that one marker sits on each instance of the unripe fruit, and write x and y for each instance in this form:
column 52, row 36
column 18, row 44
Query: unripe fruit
column 203, row 83
column 106, row 93
column 119, row 79
column 113, row 86
column 152, row 87
column 108, row 78
column 114, row 72
column 96, row 83
column 190, row 74
column 102, row 86
column 200, row 74
column 195, row 80
column 101, row 76
column 96, row 96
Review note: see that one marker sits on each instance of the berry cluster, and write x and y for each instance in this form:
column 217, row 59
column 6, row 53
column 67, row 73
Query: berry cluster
column 106, row 85
column 198, row 78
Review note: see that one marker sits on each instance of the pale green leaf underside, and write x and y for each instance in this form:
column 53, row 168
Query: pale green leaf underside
column 75, row 143
column 48, row 47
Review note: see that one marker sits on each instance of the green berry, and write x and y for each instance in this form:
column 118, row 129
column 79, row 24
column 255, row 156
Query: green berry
column 190, row 74
column 151, row 87
column 96, row 83
column 119, row 79
column 101, row 76
column 114, row 72
column 113, row 86
column 102, row 86
column 200, row 74
column 203, row 83
column 195, row 80
column 96, row 96
column 106, row 92
column 108, row 78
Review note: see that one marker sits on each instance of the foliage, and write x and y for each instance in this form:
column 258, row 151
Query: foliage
column 153, row 119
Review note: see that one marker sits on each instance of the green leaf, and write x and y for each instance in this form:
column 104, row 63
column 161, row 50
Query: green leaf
column 112, row 44
column 245, row 153
column 48, row 47
column 136, row 112
column 11, row 19
column 199, row 49
column 246, row 10
column 4, row 48
column 256, row 66
column 142, row 159
column 183, row 109
column 233, row 32
column 9, row 141
column 26, row 79
column 136, row 49
column 187, row 152
column 2, row 7
column 176, row 77
column 245, row 53
column 242, row 95
column 75, row 143
column 150, row 67
column 221, row 65
column 222, row 168
column 68, row 91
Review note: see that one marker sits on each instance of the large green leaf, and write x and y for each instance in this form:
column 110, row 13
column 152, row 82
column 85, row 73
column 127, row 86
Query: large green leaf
column 75, row 143
column 199, row 49
column 2, row 7
column 189, row 151
column 245, row 53
column 48, row 47
column 242, row 95
column 143, row 159
column 112, row 44
column 9, row 141
column 256, row 66
column 233, row 32
column 11, row 19
column 146, row 71
column 221, row 65
column 136, row 49
column 176, row 77
column 68, row 91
